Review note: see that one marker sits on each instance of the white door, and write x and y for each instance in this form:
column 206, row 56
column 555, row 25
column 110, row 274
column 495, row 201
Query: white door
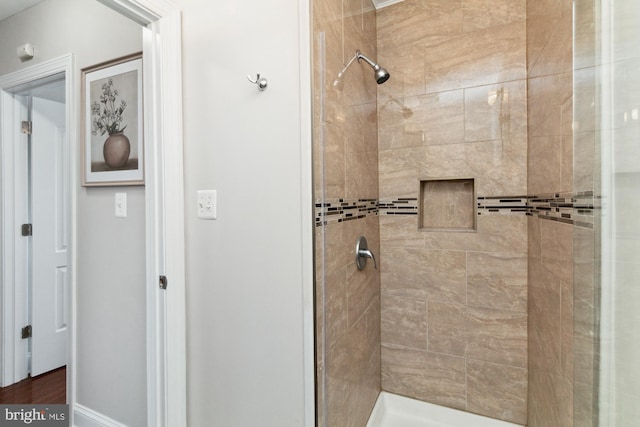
column 49, row 213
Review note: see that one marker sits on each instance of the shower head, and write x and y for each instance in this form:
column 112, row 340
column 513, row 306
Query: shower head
column 382, row 75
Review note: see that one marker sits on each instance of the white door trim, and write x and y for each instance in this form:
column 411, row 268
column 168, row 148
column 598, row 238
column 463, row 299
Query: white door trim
column 306, row 213
column 164, row 193
column 13, row 280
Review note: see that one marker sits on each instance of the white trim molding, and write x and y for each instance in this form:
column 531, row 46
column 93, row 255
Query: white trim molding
column 85, row 417
column 306, row 213
column 164, row 192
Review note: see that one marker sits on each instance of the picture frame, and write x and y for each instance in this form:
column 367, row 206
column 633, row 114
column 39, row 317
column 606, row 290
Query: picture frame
column 112, row 117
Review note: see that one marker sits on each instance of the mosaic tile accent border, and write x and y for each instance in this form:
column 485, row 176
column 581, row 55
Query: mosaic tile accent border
column 576, row 209
column 502, row 205
column 555, row 207
column 399, row 206
column 584, row 205
column 340, row 210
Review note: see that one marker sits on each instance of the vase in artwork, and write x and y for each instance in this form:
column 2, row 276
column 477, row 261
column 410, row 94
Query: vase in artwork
column 116, row 150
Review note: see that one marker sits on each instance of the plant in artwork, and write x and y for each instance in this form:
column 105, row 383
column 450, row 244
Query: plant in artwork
column 107, row 114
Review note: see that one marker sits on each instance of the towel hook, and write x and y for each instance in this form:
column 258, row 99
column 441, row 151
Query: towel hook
column 261, row 82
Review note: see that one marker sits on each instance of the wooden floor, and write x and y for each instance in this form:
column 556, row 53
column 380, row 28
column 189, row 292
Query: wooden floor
column 46, row 388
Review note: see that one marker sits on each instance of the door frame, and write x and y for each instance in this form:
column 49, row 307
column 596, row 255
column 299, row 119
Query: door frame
column 164, row 199
column 164, row 205
column 13, row 182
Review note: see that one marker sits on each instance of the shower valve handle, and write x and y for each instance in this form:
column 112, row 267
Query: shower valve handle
column 362, row 253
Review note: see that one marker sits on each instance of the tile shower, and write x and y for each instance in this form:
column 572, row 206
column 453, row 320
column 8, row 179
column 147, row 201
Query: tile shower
column 459, row 172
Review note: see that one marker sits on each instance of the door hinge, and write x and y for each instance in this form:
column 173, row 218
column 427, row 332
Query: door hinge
column 26, row 332
column 27, row 230
column 26, row 127
column 163, row 282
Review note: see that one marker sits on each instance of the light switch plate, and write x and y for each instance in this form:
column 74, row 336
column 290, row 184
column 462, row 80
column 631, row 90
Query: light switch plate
column 207, row 204
column 121, row 205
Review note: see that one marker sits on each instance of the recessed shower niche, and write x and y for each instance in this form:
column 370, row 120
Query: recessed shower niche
column 447, row 205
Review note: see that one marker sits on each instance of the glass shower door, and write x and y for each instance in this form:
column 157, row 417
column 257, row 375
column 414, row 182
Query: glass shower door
column 607, row 153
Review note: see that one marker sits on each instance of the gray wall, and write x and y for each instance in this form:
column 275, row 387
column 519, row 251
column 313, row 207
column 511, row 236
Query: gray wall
column 244, row 270
column 111, row 357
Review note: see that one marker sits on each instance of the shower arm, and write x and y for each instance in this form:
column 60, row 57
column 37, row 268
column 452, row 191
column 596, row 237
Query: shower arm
column 341, row 73
column 381, row 75
column 360, row 56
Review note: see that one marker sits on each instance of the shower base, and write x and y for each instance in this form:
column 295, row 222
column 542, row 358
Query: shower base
column 392, row 410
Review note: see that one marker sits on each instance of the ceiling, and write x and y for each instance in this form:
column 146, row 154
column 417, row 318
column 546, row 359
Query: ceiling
column 11, row 7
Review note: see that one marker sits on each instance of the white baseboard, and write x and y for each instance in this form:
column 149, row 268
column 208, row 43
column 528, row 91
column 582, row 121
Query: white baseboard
column 85, row 417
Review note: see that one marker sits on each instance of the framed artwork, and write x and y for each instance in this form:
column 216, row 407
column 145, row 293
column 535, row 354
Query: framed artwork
column 113, row 144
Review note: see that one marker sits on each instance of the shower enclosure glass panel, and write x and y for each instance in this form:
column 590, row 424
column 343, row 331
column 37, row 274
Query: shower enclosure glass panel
column 607, row 156
column 346, row 193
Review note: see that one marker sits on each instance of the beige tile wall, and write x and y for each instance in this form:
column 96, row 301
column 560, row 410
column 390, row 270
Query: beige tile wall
column 586, row 177
column 550, row 170
column 550, row 325
column 345, row 166
column 586, row 333
column 480, row 321
column 454, row 304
